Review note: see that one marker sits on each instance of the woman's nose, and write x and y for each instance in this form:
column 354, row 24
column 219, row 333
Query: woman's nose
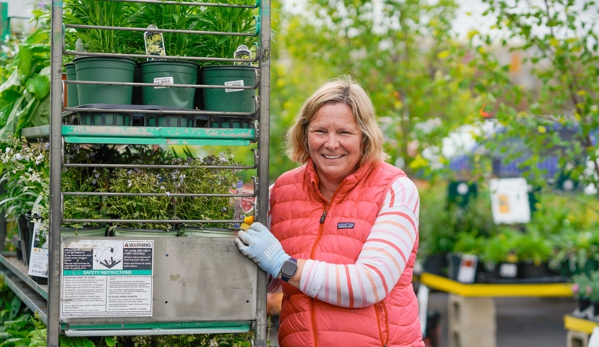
column 331, row 141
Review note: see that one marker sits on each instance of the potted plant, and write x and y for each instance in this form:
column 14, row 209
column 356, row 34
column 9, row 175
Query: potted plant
column 101, row 69
column 25, row 94
column 163, row 70
column 207, row 181
column 586, row 290
column 25, row 175
column 533, row 251
column 227, row 19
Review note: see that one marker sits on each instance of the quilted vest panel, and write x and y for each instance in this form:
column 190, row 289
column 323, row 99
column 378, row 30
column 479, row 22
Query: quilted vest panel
column 296, row 210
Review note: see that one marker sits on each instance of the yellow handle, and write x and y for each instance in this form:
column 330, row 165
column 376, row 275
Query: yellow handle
column 247, row 221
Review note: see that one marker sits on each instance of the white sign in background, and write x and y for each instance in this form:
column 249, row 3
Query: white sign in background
column 509, row 200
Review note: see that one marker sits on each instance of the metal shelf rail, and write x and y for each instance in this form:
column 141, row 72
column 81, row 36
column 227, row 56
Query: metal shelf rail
column 196, row 297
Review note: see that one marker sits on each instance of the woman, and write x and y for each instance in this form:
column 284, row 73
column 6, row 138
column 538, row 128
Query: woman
column 343, row 230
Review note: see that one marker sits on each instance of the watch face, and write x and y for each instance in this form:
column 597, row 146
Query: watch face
column 289, row 268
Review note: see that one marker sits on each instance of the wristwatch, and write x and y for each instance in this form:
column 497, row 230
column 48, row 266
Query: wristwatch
column 288, row 269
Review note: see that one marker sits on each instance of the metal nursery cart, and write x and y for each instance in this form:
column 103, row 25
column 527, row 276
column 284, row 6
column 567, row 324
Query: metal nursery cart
column 197, row 284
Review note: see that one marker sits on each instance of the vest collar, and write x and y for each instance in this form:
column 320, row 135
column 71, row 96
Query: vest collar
column 346, row 185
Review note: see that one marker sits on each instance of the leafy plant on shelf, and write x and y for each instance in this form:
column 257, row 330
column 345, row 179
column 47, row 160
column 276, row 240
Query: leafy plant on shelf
column 85, row 179
column 142, row 180
column 99, row 13
column 228, row 19
column 586, row 286
column 25, row 94
column 202, row 180
column 26, row 176
column 166, row 16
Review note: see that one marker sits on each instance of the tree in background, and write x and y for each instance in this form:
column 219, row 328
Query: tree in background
column 559, row 39
column 402, row 52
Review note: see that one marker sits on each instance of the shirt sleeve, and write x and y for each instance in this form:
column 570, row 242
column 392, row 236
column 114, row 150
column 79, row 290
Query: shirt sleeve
column 381, row 261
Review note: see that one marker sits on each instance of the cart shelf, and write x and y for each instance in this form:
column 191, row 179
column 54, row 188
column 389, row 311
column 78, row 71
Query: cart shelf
column 487, row 290
column 148, row 135
column 15, row 276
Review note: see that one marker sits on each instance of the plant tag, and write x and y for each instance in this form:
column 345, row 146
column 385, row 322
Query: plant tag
column 508, row 270
column 594, row 339
column 467, row 270
column 154, row 43
column 163, row 80
column 234, row 84
column 38, row 266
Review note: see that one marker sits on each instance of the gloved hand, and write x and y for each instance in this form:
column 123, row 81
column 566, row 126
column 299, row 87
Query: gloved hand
column 260, row 245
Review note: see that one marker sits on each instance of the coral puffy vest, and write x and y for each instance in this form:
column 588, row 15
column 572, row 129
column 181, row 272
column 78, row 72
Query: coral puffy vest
column 297, row 208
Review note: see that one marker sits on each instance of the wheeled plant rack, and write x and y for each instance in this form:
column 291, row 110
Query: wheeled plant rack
column 196, row 285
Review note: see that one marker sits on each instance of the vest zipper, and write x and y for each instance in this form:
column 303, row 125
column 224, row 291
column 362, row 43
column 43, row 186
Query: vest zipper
column 323, row 217
column 320, row 230
column 378, row 324
column 386, row 323
column 313, row 317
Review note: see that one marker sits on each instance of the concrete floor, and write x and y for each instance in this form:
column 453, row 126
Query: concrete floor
column 521, row 322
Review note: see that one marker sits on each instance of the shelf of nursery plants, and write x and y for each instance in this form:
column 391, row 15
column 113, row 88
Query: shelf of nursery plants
column 580, row 324
column 445, row 284
column 148, row 135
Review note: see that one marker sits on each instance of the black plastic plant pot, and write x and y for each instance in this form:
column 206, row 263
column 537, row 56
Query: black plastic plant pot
column 25, row 234
column 103, row 69
column 169, row 72
column 229, row 99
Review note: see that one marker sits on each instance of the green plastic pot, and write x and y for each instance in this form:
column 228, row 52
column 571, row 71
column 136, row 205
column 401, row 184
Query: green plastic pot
column 83, row 232
column 72, row 98
column 169, row 72
column 126, row 232
column 102, row 69
column 224, row 100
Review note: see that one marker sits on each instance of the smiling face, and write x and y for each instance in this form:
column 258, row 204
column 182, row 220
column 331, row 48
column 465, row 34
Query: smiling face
column 335, row 143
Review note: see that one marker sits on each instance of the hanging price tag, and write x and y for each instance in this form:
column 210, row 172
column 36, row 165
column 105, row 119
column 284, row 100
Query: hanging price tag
column 594, row 340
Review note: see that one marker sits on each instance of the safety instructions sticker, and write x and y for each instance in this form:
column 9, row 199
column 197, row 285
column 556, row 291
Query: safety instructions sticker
column 107, row 278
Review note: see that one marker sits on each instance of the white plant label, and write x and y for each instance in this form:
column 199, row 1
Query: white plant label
column 107, row 278
column 234, row 84
column 38, row 264
column 508, row 270
column 163, row 80
column 467, row 270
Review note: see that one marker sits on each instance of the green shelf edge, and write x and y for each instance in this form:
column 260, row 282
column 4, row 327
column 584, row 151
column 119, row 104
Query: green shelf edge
column 232, row 326
column 148, row 135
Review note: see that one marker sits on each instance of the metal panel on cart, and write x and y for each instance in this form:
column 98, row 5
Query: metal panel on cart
column 181, row 279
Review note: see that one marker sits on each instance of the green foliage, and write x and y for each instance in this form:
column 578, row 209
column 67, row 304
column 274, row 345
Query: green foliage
column 26, row 175
column 168, row 17
column 404, row 56
column 25, row 95
column 99, row 13
column 563, row 53
column 227, row 19
column 586, row 286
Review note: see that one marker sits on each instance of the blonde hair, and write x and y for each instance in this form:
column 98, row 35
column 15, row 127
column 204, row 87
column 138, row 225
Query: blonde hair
column 346, row 91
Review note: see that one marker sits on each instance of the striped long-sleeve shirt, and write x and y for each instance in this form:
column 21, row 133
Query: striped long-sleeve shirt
column 381, row 261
